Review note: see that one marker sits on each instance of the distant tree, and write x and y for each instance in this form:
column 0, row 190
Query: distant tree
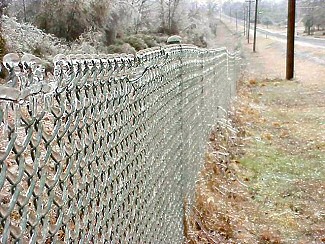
column 169, row 21
column 98, row 13
column 121, row 16
column 314, row 14
column 115, row 17
column 23, row 10
column 319, row 15
column 212, row 7
column 308, row 22
column 143, row 8
column 3, row 4
column 265, row 20
column 63, row 18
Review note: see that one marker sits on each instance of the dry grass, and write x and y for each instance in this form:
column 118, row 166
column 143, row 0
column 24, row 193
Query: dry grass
column 264, row 182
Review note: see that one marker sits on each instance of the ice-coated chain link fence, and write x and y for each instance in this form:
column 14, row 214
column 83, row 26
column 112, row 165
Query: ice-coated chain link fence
column 107, row 149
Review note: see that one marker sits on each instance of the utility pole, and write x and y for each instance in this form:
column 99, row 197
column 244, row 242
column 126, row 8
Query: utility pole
column 249, row 18
column 244, row 20
column 247, row 21
column 236, row 22
column 255, row 23
column 291, row 39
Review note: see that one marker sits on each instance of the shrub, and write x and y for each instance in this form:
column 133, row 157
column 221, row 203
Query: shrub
column 149, row 40
column 119, row 42
column 161, row 38
column 114, row 49
column 198, row 40
column 64, row 19
column 39, row 50
column 3, row 51
column 124, row 48
column 23, row 37
column 136, row 42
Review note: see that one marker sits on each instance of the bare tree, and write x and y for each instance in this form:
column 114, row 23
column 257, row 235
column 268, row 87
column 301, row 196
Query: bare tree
column 3, row 5
column 140, row 5
column 119, row 18
column 313, row 12
column 64, row 18
column 168, row 10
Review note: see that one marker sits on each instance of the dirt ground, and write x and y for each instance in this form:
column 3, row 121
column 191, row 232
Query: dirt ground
column 264, row 177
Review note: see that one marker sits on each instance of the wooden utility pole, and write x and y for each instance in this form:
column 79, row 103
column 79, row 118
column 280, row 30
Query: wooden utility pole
column 244, row 20
column 236, row 21
column 249, row 18
column 291, row 39
column 255, row 23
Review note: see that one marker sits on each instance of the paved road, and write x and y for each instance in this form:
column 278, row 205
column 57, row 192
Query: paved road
column 302, row 40
column 281, row 37
column 317, row 44
column 298, row 39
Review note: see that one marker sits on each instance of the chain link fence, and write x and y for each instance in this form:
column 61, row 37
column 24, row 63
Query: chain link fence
column 107, row 149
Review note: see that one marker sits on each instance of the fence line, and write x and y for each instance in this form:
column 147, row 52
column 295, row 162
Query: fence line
column 107, row 149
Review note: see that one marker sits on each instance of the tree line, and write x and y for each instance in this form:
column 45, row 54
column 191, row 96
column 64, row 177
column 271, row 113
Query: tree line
column 68, row 19
column 313, row 12
column 310, row 12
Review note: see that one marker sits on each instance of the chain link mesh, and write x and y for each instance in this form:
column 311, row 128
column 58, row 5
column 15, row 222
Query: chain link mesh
column 107, row 149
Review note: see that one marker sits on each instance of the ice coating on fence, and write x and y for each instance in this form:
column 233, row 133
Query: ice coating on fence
column 107, row 148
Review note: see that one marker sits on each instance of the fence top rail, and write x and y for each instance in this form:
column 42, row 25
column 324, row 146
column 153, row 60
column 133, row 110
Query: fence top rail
column 28, row 76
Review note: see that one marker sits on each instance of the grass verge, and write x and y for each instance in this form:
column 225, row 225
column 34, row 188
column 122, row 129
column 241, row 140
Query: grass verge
column 264, row 177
